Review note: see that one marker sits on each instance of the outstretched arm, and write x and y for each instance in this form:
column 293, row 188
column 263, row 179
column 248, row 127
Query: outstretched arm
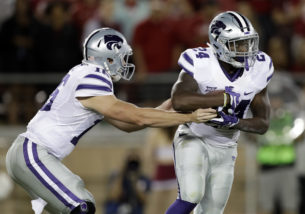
column 186, row 98
column 116, row 109
column 129, row 127
column 260, row 108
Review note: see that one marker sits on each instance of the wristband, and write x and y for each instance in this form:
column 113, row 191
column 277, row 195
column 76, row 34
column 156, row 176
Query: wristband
column 225, row 99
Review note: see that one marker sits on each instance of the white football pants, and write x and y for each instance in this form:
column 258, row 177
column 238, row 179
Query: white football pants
column 205, row 173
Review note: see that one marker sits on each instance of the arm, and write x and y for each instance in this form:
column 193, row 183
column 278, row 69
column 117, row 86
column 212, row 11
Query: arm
column 113, row 108
column 260, row 108
column 185, row 96
column 129, row 127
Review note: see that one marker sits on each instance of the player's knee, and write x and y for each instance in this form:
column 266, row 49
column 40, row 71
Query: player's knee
column 193, row 196
column 85, row 207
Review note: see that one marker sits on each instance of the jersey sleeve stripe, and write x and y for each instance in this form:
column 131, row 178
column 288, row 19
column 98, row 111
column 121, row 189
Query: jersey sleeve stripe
column 93, row 87
column 186, row 70
column 188, row 59
column 268, row 78
column 94, row 76
column 270, row 64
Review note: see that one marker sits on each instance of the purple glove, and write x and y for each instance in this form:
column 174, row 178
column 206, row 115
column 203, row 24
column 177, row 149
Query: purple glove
column 234, row 99
column 225, row 120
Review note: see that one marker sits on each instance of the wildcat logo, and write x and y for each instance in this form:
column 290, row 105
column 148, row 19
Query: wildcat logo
column 217, row 27
column 113, row 41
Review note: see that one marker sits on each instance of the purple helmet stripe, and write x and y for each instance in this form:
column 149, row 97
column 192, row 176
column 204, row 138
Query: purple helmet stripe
column 187, row 71
column 94, row 76
column 40, row 178
column 245, row 20
column 188, row 59
column 93, row 87
column 238, row 21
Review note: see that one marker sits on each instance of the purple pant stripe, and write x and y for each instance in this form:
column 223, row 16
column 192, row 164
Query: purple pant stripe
column 52, row 177
column 39, row 177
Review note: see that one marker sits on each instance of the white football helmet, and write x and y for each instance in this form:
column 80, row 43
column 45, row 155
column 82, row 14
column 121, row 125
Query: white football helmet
column 107, row 48
column 234, row 39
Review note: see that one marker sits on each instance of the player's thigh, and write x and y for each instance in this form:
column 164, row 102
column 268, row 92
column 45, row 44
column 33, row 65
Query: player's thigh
column 219, row 180
column 191, row 165
column 42, row 174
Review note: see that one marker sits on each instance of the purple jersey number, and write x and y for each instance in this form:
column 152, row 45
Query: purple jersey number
column 241, row 107
column 47, row 106
column 201, row 53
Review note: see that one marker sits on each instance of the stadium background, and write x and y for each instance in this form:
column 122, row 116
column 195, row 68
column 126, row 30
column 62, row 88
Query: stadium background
column 33, row 63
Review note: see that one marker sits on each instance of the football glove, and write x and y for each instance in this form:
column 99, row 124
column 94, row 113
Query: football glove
column 224, row 120
column 234, row 99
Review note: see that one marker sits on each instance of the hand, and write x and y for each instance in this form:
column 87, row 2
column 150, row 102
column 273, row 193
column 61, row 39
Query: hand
column 203, row 115
column 234, row 99
column 224, row 120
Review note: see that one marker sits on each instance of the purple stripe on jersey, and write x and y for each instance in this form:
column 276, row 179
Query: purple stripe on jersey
column 97, row 69
column 94, row 76
column 93, row 87
column 270, row 64
column 234, row 76
column 52, row 177
column 268, row 78
column 188, row 59
column 75, row 140
column 187, row 71
column 39, row 177
column 179, row 194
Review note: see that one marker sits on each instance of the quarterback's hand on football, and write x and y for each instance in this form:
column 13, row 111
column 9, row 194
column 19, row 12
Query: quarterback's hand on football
column 224, row 120
column 203, row 115
column 233, row 100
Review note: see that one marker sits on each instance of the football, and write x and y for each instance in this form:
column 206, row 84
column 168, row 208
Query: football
column 226, row 110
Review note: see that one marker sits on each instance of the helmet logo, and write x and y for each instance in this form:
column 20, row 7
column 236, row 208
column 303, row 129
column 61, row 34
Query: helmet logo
column 113, row 41
column 217, row 27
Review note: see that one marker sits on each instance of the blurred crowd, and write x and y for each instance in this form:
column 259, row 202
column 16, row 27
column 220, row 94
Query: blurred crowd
column 45, row 36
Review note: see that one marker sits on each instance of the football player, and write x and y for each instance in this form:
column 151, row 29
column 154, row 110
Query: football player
column 231, row 75
column 83, row 98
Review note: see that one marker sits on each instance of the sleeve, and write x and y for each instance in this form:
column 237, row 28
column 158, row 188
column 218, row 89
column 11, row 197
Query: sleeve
column 94, row 84
column 270, row 69
column 265, row 71
column 186, row 62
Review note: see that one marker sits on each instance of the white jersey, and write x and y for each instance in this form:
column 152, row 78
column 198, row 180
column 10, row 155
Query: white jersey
column 62, row 121
column 203, row 66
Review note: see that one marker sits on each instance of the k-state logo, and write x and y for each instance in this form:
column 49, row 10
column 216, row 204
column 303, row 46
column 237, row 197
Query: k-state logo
column 217, row 27
column 210, row 89
column 113, row 41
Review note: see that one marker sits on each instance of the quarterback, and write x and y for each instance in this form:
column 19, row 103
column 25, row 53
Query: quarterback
column 231, row 75
column 83, row 98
